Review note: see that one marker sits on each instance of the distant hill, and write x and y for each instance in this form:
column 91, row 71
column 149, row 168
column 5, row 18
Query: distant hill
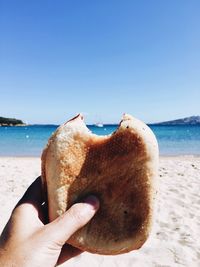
column 193, row 120
column 10, row 122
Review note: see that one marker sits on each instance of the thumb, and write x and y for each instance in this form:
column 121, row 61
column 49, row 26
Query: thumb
column 73, row 219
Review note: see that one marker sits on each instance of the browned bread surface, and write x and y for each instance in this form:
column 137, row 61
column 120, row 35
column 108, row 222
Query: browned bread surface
column 120, row 169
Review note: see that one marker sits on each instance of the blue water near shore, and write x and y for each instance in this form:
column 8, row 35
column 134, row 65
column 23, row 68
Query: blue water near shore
column 30, row 140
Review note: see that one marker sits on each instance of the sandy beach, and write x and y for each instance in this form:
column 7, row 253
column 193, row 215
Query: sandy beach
column 174, row 240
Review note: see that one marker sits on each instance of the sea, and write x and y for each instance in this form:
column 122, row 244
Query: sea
column 30, row 140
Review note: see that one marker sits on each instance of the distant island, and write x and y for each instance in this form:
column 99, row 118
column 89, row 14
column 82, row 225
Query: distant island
column 11, row 122
column 193, row 120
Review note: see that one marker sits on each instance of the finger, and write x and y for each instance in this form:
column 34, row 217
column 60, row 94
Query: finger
column 76, row 217
column 33, row 197
column 67, row 253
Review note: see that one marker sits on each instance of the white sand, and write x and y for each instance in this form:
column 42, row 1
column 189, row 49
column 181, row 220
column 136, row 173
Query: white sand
column 175, row 239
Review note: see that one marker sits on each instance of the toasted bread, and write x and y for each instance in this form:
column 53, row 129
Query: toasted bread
column 120, row 169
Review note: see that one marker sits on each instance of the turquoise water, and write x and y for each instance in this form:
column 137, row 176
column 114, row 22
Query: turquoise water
column 30, row 140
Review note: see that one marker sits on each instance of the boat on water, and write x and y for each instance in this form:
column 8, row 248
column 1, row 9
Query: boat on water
column 98, row 124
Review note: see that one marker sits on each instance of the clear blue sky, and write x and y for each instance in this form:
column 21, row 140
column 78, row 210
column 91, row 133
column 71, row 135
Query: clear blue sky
column 102, row 58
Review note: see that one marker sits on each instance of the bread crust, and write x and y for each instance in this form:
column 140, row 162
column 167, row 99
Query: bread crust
column 120, row 169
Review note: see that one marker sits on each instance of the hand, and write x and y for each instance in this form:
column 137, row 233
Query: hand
column 26, row 240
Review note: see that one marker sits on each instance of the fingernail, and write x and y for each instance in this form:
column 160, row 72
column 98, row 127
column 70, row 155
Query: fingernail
column 93, row 201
